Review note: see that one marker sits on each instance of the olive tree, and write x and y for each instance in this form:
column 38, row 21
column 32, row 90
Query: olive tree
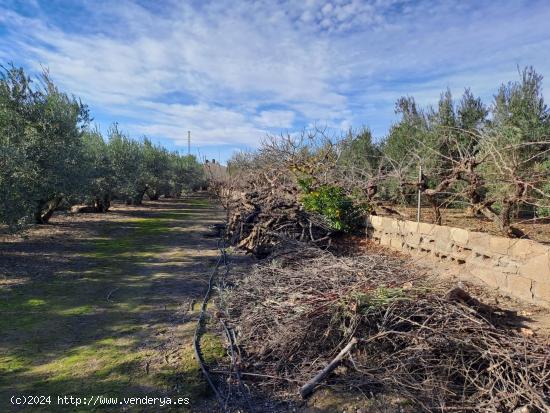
column 100, row 175
column 187, row 174
column 41, row 131
column 517, row 147
column 126, row 157
column 17, row 172
column 156, row 169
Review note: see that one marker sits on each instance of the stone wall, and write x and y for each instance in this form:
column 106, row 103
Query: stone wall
column 517, row 267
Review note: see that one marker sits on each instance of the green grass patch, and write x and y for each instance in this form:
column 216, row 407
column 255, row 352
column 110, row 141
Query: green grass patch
column 189, row 372
column 62, row 335
column 35, row 302
column 78, row 310
column 139, row 243
column 176, row 215
column 212, row 348
column 198, row 202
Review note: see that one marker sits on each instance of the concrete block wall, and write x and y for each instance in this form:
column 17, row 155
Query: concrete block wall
column 517, row 267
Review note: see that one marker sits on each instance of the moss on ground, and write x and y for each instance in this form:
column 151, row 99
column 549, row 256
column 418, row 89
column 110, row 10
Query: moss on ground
column 139, row 242
column 80, row 331
column 199, row 202
column 212, row 348
column 189, row 373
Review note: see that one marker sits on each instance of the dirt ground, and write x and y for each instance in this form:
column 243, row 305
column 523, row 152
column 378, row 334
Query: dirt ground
column 100, row 304
column 536, row 229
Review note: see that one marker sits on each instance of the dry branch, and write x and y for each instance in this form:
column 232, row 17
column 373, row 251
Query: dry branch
column 308, row 388
column 293, row 313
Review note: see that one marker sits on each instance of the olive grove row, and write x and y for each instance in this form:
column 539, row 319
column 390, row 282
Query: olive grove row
column 51, row 157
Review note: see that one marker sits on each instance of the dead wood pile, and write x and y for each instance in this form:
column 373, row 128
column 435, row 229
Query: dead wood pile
column 297, row 310
column 263, row 209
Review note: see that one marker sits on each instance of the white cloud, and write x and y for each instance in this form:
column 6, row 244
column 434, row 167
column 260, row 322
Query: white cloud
column 276, row 119
column 340, row 63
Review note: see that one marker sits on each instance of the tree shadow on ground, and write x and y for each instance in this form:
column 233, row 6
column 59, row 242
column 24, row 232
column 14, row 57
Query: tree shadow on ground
column 107, row 313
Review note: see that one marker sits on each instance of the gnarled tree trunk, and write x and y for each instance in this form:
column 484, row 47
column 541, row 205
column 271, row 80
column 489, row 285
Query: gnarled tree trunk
column 137, row 199
column 102, row 203
column 45, row 209
column 153, row 195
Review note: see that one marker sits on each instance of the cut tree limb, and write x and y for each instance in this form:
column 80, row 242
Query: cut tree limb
column 308, row 388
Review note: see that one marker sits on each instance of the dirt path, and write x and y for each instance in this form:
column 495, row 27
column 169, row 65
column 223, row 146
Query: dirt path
column 98, row 304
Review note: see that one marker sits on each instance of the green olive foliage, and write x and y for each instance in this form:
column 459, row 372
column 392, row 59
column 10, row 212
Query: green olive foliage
column 50, row 157
column 41, row 133
column 493, row 159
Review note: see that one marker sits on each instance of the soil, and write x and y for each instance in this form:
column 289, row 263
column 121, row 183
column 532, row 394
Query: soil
column 101, row 304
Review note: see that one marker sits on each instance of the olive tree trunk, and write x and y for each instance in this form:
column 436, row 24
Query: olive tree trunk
column 45, row 209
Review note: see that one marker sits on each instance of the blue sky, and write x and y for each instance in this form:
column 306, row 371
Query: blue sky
column 232, row 71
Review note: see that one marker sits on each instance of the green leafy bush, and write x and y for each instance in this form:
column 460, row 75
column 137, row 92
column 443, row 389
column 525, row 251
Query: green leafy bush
column 331, row 202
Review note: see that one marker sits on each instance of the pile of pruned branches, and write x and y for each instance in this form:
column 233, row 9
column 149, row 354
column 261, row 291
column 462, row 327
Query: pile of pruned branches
column 260, row 215
column 262, row 196
column 442, row 351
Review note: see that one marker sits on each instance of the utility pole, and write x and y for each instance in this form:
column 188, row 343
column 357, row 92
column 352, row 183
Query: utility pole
column 188, row 142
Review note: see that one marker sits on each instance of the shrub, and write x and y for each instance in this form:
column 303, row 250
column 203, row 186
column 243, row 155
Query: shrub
column 331, row 202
